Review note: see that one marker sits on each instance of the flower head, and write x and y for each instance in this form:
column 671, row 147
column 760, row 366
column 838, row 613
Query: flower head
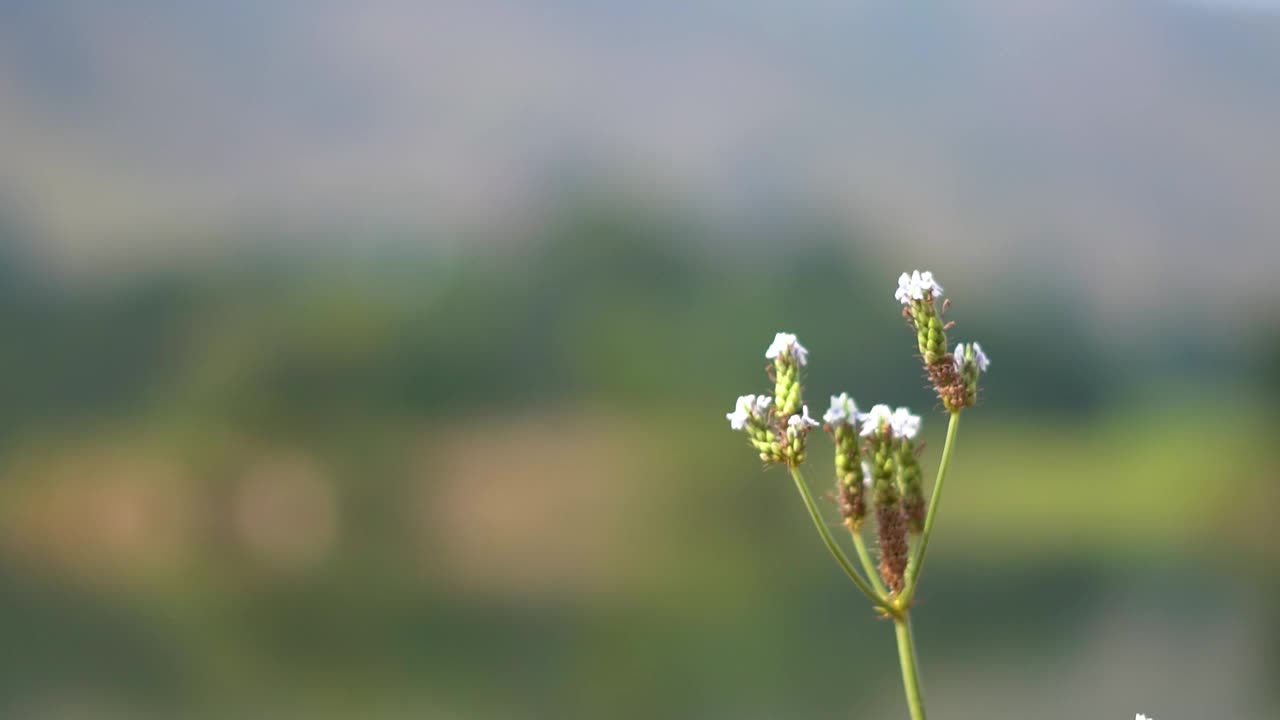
column 979, row 357
column 916, row 286
column 903, row 424
column 747, row 408
column 802, row 420
column 879, row 416
column 972, row 351
column 843, row 411
column 786, row 345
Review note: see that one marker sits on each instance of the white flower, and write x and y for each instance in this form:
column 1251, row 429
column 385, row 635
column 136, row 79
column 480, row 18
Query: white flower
column 905, row 289
column 928, row 284
column 843, row 411
column 916, row 286
column 802, row 420
column 979, row 358
column 1140, row 716
column 748, row 407
column 874, row 420
column 866, row 473
column 904, row 424
column 787, row 344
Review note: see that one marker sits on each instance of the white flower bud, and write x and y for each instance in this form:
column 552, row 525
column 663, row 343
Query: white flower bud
column 916, row 286
column 786, row 344
column 903, row 424
column 843, row 411
column 747, row 408
column 876, row 419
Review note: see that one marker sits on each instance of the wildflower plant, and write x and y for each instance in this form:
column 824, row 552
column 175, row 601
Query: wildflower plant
column 878, row 476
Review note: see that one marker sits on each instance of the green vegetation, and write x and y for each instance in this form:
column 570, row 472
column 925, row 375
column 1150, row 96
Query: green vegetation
column 349, row 486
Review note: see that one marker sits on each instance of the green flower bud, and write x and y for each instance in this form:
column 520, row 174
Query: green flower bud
column 911, row 485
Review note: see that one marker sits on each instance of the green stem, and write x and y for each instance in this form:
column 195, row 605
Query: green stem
column 841, row 559
column 917, row 558
column 910, row 673
column 867, row 565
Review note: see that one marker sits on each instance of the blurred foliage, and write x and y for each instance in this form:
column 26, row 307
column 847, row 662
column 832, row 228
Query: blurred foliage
column 613, row 305
column 498, row 484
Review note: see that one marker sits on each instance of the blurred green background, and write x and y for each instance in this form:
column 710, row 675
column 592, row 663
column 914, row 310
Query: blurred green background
column 374, row 362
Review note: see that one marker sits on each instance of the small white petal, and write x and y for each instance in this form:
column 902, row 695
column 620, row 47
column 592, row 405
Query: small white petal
column 903, row 293
column 903, row 424
column 876, row 419
column 980, row 357
column 742, row 411
column 802, row 420
column 866, row 473
column 763, row 403
column 787, row 344
column 843, row 411
column 958, row 356
column 781, row 341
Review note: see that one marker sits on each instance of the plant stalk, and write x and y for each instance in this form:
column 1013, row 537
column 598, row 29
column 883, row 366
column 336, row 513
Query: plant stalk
column 841, row 559
column 917, row 558
column 867, row 564
column 910, row 673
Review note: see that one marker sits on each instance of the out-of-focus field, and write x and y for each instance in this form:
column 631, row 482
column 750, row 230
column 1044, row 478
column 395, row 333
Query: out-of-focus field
column 504, row 493
column 370, row 360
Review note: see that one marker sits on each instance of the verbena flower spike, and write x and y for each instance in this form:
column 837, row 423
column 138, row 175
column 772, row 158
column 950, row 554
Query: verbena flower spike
column 877, row 459
column 841, row 421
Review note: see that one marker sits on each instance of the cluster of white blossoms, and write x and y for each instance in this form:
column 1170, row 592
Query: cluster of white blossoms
column 979, row 357
column 916, row 286
column 749, row 407
column 877, row 458
column 786, row 344
column 901, row 423
column 777, row 425
column 904, row 424
column 801, row 420
column 843, row 411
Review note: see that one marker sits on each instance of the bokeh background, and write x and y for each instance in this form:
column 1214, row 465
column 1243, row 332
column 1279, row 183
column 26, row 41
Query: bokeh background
column 371, row 359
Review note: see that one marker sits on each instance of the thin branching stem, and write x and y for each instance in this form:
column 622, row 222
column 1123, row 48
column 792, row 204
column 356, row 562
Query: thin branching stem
column 841, row 559
column 867, row 564
column 917, row 558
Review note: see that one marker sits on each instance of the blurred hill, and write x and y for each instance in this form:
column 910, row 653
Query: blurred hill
column 1129, row 145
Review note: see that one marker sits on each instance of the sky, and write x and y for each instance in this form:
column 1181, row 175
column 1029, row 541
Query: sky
column 1128, row 145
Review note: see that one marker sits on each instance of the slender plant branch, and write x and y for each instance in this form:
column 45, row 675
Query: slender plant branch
column 841, row 559
column 917, row 558
column 867, row 565
column 910, row 673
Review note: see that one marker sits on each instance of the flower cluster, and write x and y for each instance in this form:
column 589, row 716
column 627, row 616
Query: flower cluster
column 895, row 485
column 954, row 375
column 877, row 456
column 875, row 452
column 841, row 421
column 778, row 426
column 917, row 286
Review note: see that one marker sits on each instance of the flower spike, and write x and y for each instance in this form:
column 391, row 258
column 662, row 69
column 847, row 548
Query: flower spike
column 842, row 422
